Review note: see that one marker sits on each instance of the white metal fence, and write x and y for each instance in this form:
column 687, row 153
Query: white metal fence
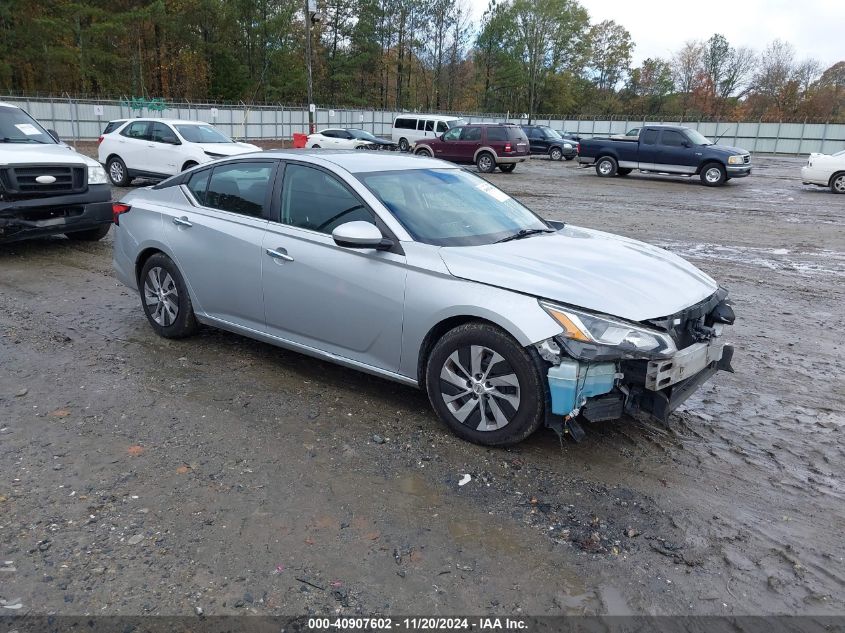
column 85, row 119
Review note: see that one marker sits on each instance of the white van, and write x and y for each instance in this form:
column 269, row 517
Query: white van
column 410, row 128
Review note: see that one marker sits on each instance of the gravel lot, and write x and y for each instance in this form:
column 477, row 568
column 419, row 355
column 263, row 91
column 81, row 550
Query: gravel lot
column 146, row 476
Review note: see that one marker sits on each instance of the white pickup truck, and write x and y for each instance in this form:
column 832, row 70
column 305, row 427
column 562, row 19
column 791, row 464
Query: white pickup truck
column 46, row 188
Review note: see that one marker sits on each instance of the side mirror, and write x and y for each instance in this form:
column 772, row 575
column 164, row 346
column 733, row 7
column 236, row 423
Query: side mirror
column 54, row 134
column 360, row 234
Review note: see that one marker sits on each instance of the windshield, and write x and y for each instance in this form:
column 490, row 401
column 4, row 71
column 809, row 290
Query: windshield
column 362, row 134
column 202, row 134
column 842, row 153
column 455, row 123
column 696, row 138
column 550, row 133
column 450, row 207
column 16, row 126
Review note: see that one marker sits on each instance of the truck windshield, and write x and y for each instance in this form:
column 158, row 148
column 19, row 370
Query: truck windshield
column 696, row 138
column 16, row 126
column 451, row 207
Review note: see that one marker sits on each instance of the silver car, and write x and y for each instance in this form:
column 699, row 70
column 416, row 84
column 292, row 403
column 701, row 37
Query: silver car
column 418, row 271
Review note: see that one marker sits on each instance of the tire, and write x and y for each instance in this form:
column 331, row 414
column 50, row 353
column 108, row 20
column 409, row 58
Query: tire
column 403, row 145
column 90, row 235
column 507, row 168
column 568, row 158
column 424, row 151
column 555, row 153
column 837, row 183
column 159, row 272
column 189, row 164
column 118, row 174
column 485, row 162
column 713, row 175
column 623, row 171
column 606, row 166
column 508, row 411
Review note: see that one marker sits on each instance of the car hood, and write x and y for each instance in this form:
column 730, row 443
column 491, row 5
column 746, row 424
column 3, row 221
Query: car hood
column 35, row 153
column 587, row 269
column 228, row 149
column 727, row 150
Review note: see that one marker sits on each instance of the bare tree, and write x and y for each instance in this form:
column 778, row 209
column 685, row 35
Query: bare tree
column 687, row 67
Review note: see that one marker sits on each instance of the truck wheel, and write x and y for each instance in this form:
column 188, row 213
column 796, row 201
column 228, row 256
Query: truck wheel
column 485, row 162
column 485, row 386
column 713, row 175
column 555, row 153
column 165, row 299
column 90, row 235
column 606, row 166
column 424, row 151
column 623, row 171
column 507, row 167
column 118, row 174
column 837, row 183
column 403, row 145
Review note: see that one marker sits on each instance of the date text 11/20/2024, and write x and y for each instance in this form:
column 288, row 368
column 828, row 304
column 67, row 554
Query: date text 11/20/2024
column 417, row 624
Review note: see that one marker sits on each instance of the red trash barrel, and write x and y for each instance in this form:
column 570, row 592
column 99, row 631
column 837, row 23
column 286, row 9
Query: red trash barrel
column 299, row 140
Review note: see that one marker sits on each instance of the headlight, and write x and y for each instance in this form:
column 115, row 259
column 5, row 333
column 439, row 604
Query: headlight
column 97, row 175
column 598, row 337
column 567, row 146
column 735, row 160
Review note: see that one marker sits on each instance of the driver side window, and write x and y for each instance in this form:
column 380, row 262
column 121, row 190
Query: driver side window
column 317, row 201
column 453, row 135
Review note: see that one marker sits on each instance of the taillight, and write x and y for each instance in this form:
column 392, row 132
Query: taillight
column 578, row 148
column 508, row 147
column 99, row 140
column 118, row 209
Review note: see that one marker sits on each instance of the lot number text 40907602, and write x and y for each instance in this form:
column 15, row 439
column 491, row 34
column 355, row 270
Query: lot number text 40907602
column 417, row 624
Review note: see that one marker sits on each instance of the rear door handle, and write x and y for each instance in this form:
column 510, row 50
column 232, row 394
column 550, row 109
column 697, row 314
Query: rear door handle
column 183, row 221
column 279, row 254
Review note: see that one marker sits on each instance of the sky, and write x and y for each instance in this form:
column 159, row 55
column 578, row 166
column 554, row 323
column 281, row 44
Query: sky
column 660, row 27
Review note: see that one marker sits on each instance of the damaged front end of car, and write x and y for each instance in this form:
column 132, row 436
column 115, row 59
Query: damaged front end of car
column 601, row 367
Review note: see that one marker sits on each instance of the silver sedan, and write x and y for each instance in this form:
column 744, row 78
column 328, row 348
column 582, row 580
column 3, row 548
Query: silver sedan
column 420, row 272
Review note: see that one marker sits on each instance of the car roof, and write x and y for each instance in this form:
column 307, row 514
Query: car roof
column 355, row 161
column 9, row 105
column 432, row 117
column 169, row 121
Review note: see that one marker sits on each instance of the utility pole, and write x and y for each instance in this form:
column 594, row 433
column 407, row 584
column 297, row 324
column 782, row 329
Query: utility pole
column 311, row 16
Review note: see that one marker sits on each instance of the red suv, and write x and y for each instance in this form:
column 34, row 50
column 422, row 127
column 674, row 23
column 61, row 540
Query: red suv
column 488, row 145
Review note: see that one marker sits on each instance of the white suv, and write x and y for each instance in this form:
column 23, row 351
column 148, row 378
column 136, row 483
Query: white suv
column 160, row 148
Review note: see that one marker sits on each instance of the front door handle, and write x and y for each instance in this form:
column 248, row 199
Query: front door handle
column 183, row 221
column 279, row 254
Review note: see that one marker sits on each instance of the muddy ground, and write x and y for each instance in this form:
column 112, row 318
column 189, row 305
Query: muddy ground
column 145, row 476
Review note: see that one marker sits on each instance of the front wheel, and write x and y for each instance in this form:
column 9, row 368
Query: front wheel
column 485, row 162
column 713, row 175
column 165, row 298
column 606, row 166
column 837, row 183
column 555, row 153
column 90, row 235
column 507, row 167
column 424, row 151
column 484, row 386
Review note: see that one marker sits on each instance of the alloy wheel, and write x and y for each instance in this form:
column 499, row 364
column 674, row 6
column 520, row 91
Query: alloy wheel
column 713, row 175
column 605, row 167
column 480, row 388
column 485, row 163
column 116, row 171
column 161, row 296
column 839, row 184
column 556, row 154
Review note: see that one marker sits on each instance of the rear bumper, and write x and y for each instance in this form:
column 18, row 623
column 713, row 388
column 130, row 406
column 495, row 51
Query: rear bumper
column 508, row 160
column 37, row 217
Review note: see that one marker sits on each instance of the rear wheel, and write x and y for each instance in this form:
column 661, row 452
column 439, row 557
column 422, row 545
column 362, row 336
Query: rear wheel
column 485, row 162
column 555, row 153
column 623, row 171
column 403, row 144
column 118, row 174
column 90, row 235
column 837, row 183
column 606, row 166
column 713, row 175
column 165, row 299
column 484, row 386
column 507, row 167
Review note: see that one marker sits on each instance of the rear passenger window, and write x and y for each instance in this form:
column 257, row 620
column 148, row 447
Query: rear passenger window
column 649, row 137
column 673, row 138
column 317, row 201
column 239, row 188
column 136, row 129
column 198, row 184
column 471, row 134
column 421, row 125
column 497, row 134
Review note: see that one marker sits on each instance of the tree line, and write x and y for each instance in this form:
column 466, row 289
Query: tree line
column 522, row 57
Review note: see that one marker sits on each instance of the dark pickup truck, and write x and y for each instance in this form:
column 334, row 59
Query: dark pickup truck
column 46, row 188
column 666, row 149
